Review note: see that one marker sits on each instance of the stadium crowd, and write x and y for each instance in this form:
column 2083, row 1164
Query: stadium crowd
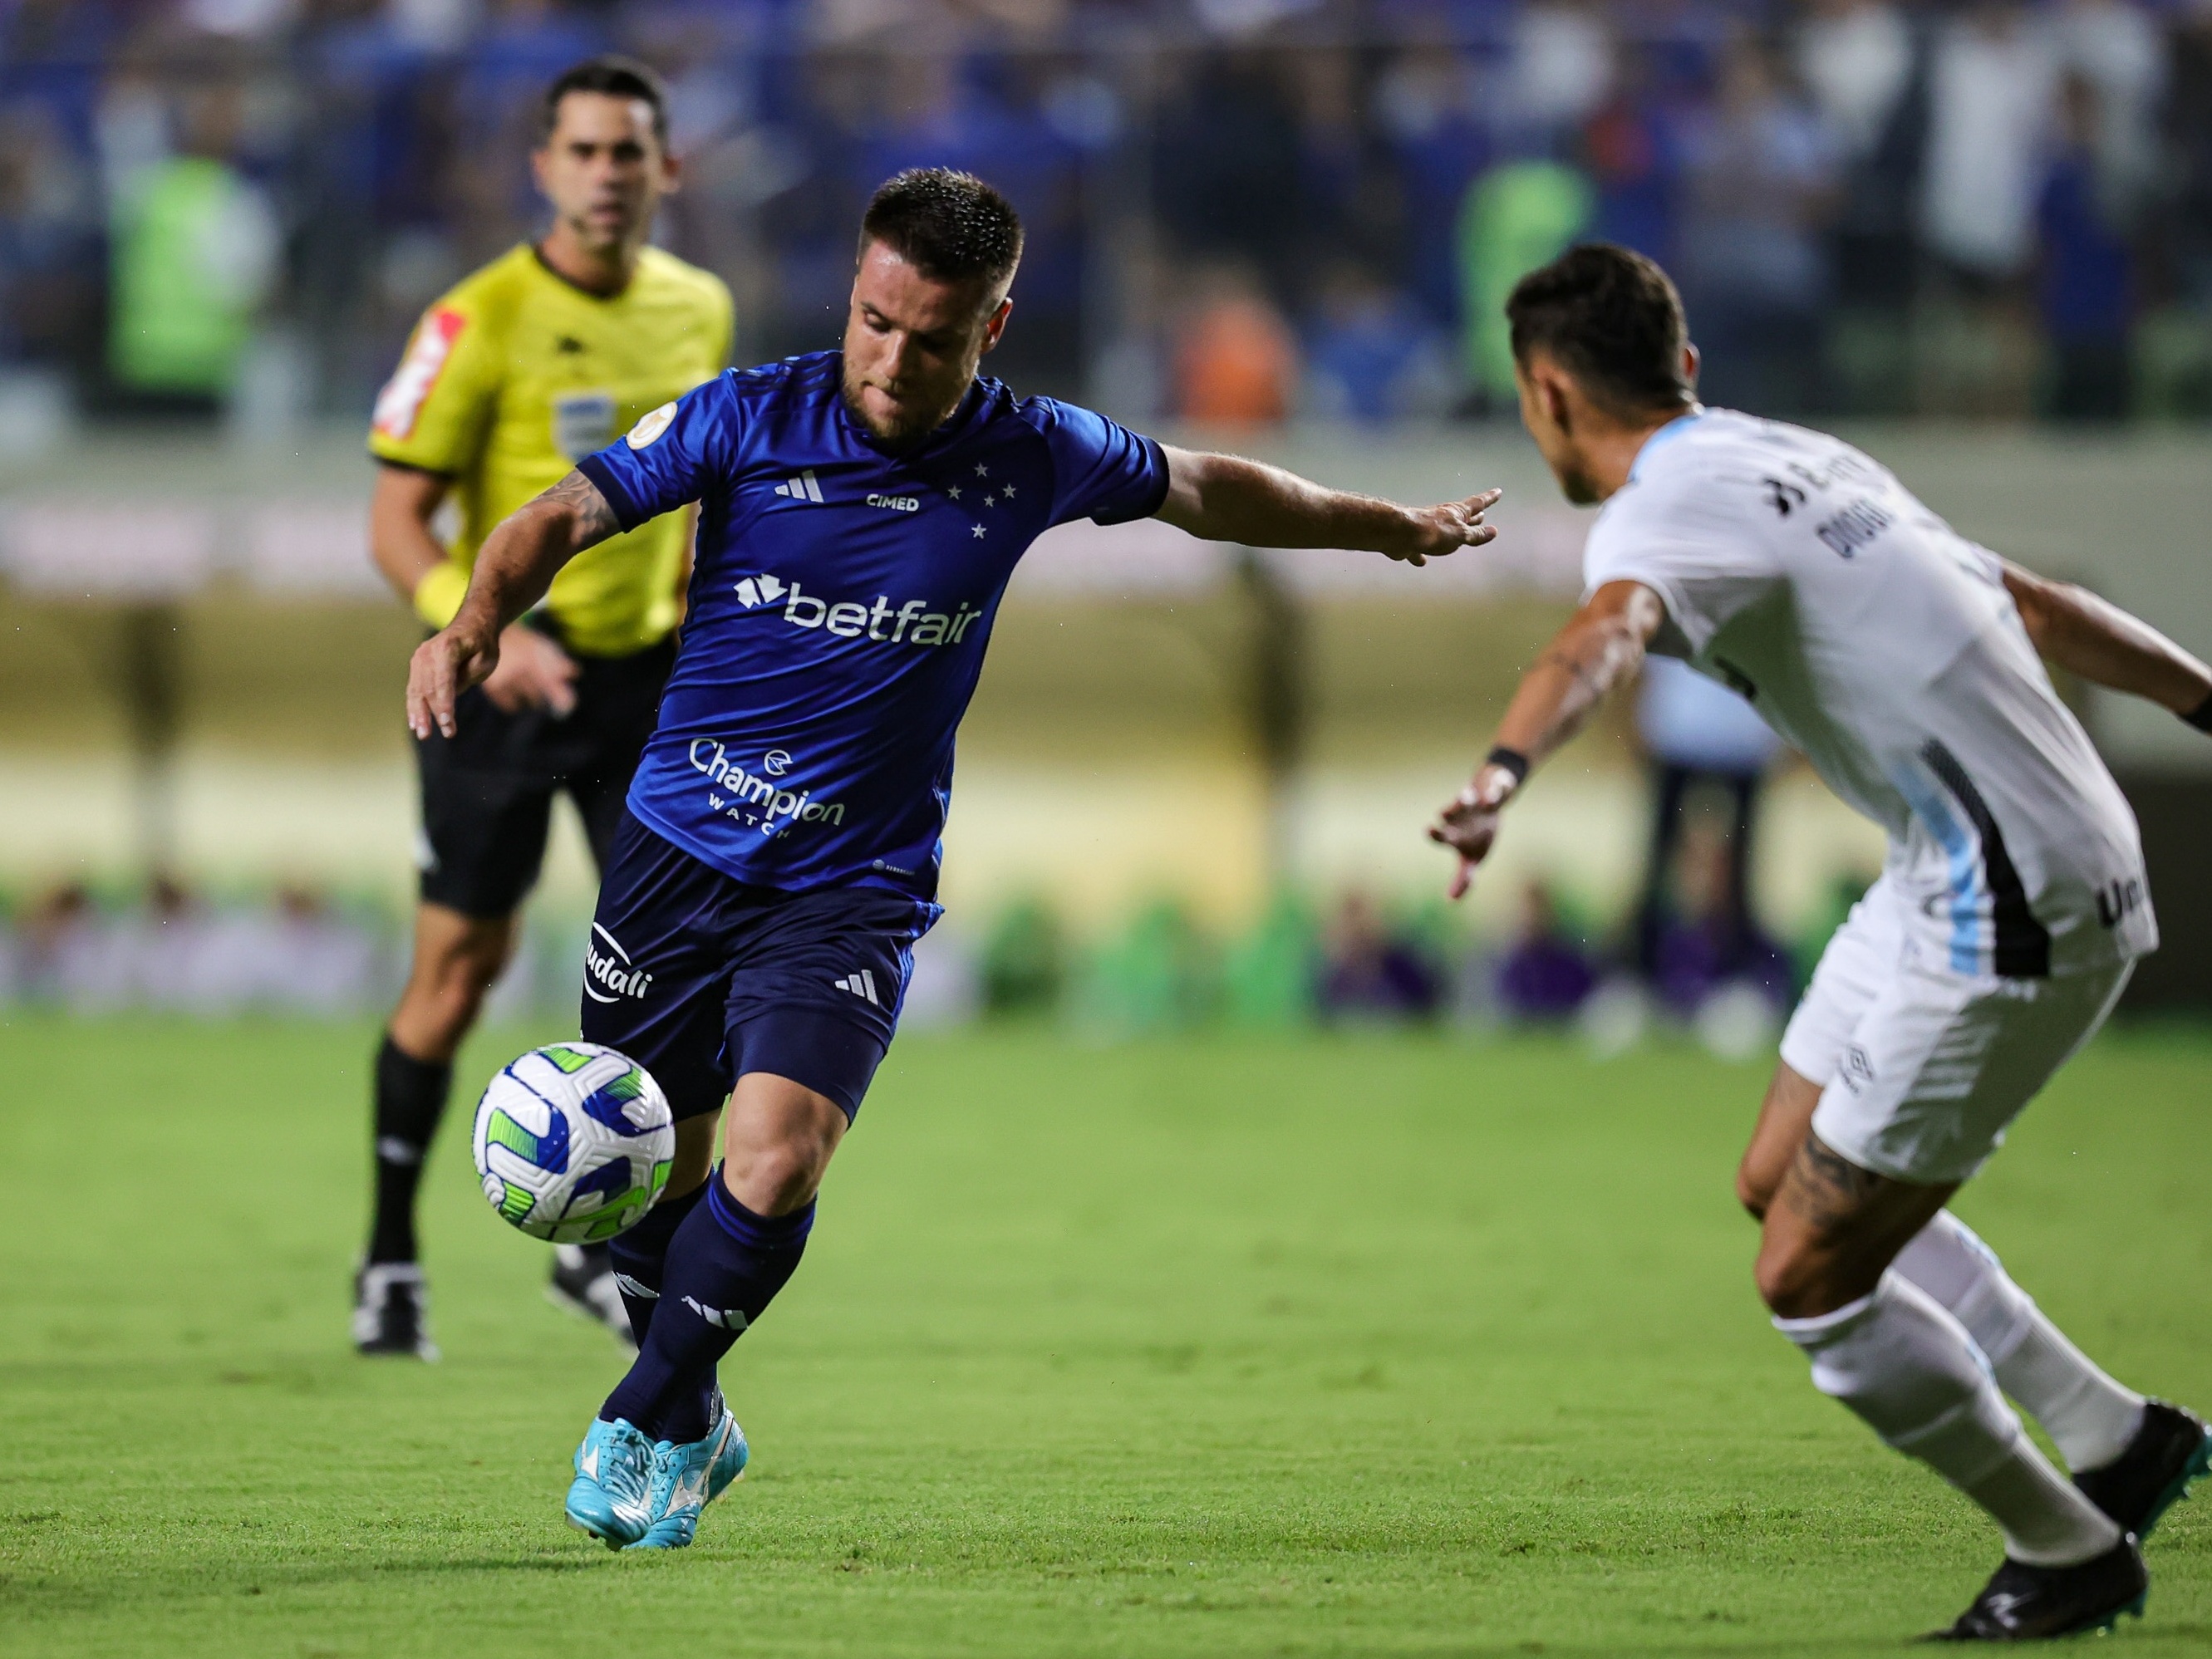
column 1238, row 209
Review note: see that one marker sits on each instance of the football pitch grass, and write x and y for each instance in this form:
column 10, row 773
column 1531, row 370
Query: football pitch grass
column 1218, row 1346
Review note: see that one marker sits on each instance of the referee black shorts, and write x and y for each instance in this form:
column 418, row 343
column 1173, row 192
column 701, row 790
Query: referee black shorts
column 488, row 791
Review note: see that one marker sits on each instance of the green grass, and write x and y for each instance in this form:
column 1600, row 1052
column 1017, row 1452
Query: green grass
column 1212, row 1347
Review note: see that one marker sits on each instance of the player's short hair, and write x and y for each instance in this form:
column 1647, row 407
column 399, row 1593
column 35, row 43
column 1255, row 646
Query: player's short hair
column 951, row 226
column 1613, row 320
column 616, row 76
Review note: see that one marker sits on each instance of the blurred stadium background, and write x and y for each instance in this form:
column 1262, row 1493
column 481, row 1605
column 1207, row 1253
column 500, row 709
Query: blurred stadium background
column 1978, row 238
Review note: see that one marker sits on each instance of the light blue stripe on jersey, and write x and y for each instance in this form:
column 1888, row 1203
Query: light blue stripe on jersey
column 1960, row 847
column 1666, row 434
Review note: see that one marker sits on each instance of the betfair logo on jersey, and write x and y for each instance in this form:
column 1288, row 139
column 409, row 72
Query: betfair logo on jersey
column 913, row 623
column 759, row 589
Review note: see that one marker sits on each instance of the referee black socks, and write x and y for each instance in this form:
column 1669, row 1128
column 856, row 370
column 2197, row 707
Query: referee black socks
column 411, row 1098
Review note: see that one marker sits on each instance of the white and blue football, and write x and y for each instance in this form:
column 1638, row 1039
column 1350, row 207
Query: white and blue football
column 574, row 1142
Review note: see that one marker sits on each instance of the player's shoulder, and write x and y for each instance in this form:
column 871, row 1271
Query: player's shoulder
column 665, row 274
column 493, row 293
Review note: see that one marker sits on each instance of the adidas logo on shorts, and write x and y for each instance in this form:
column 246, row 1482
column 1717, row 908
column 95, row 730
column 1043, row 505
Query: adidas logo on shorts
column 861, row 984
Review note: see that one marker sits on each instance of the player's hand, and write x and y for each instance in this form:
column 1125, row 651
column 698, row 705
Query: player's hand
column 532, row 673
column 445, row 665
column 1468, row 823
column 1433, row 532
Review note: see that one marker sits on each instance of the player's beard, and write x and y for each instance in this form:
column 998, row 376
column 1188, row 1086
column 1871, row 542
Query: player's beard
column 910, row 431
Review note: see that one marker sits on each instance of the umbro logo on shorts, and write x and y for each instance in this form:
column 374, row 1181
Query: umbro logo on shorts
column 804, row 488
column 861, row 984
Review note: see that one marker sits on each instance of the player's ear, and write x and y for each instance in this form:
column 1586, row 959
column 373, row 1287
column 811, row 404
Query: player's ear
column 1691, row 362
column 995, row 324
column 671, row 174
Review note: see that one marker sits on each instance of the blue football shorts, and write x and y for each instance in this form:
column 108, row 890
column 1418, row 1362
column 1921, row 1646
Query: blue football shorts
column 701, row 978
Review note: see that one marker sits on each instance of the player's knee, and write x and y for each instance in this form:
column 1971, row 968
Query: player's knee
column 1795, row 1282
column 1752, row 1189
column 781, row 1177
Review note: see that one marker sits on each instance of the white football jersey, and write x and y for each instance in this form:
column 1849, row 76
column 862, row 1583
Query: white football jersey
column 1884, row 644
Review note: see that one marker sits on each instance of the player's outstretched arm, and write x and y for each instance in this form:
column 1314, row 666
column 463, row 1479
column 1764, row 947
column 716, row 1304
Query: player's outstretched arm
column 1602, row 646
column 515, row 566
column 2106, row 646
column 1225, row 498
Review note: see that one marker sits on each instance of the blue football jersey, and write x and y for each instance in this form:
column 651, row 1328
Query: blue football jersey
column 840, row 607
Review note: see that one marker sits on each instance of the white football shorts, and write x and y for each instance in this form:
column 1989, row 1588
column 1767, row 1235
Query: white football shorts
column 1924, row 1067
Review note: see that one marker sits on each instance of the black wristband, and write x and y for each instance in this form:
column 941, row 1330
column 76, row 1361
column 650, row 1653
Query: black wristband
column 2201, row 716
column 1512, row 759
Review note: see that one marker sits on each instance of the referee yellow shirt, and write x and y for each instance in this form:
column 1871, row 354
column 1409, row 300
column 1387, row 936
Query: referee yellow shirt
column 517, row 373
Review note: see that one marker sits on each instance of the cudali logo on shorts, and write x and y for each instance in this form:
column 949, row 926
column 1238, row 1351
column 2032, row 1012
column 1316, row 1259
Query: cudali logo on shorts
column 913, row 623
column 399, row 405
column 611, row 969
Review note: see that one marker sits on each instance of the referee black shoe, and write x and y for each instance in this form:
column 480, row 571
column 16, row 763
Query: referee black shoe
column 583, row 1282
column 2172, row 1449
column 2027, row 1604
column 391, row 1311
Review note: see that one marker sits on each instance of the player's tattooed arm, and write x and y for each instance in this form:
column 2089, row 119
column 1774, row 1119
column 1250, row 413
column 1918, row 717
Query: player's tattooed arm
column 513, row 568
column 1602, row 646
column 2089, row 636
column 1226, row 498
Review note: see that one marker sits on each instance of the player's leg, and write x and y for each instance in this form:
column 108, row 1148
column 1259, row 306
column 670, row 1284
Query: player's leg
column 814, row 1002
column 482, row 841
column 1938, row 1067
column 2134, row 1457
column 456, row 958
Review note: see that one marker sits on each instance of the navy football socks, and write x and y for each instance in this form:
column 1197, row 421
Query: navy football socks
column 724, row 1266
column 411, row 1098
column 639, row 1257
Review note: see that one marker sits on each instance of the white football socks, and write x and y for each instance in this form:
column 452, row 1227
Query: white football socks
column 2088, row 1416
column 1909, row 1369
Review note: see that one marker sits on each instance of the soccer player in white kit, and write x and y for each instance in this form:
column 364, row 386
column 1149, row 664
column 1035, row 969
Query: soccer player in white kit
column 1903, row 661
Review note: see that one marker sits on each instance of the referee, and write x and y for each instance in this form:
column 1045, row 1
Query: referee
column 540, row 358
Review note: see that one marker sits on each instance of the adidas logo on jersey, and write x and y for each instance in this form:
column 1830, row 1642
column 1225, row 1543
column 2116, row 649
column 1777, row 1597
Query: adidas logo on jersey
column 801, row 488
column 861, row 984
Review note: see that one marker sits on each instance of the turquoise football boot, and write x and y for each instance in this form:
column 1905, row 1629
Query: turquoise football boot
column 615, row 1468
column 687, row 1477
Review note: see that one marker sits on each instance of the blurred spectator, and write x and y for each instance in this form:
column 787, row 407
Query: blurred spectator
column 1630, row 156
column 1371, row 355
column 1544, row 974
column 1991, row 83
column 2086, row 282
column 1025, row 960
column 1757, row 180
column 1867, row 75
column 1367, row 973
column 1698, row 735
column 316, row 961
column 1236, row 361
column 54, row 934
column 1518, row 216
column 193, row 255
column 1425, row 104
column 1708, row 944
column 1226, row 169
column 1558, row 69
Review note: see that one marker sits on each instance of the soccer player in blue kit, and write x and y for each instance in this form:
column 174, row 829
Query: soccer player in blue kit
column 860, row 512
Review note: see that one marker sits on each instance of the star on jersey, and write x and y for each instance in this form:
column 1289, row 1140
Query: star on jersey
column 953, row 491
column 982, row 470
column 977, row 530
